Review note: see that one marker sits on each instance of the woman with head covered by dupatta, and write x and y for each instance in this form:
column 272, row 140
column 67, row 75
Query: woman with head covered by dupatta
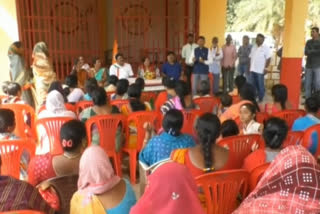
column 18, row 72
column 291, row 184
column 171, row 189
column 99, row 189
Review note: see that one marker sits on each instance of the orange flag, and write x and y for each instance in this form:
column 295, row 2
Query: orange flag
column 114, row 51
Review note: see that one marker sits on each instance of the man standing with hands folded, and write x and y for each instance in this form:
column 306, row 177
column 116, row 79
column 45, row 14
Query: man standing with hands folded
column 200, row 69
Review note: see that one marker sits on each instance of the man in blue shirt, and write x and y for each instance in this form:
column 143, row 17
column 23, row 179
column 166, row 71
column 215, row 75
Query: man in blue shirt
column 200, row 68
column 309, row 120
column 171, row 68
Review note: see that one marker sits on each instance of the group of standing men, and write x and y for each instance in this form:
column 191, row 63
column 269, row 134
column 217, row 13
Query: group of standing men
column 253, row 62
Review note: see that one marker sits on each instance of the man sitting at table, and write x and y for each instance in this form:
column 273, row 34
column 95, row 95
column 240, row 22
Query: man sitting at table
column 171, row 68
column 121, row 69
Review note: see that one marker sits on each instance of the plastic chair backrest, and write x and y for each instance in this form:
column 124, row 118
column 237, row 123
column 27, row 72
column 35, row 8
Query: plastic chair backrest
column 139, row 119
column 207, row 104
column 107, row 126
column 11, row 152
column 65, row 186
column 53, row 127
column 22, row 129
column 222, row 188
column 240, row 147
column 71, row 107
column 289, row 116
column 256, row 174
column 160, row 100
column 23, row 212
column 80, row 106
column 148, row 96
column 310, row 135
column 189, row 119
column 119, row 103
column 262, row 117
column 293, row 138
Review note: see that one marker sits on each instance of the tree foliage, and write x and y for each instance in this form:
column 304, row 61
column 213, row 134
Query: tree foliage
column 263, row 15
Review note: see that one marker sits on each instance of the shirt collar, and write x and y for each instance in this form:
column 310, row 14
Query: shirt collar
column 312, row 117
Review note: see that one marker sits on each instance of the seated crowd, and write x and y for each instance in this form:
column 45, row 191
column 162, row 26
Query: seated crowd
column 174, row 157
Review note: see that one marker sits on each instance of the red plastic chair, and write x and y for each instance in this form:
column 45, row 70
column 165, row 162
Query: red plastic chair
column 22, row 129
column 312, row 132
column 256, row 174
column 189, row 119
column 119, row 103
column 207, row 104
column 293, row 138
column 80, row 106
column 261, row 117
column 222, row 188
column 23, row 212
column 289, row 116
column 107, row 126
column 160, row 100
column 52, row 127
column 139, row 119
column 148, row 96
column 11, row 151
column 240, row 147
column 71, row 107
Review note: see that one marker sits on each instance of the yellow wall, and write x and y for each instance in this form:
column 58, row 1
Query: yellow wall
column 213, row 19
column 8, row 34
column 294, row 34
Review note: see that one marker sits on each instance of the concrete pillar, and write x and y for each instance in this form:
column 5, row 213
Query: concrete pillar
column 213, row 19
column 293, row 47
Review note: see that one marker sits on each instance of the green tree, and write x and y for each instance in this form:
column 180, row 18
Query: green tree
column 264, row 15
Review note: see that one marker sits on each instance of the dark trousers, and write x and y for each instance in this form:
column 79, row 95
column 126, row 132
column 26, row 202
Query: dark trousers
column 188, row 74
column 227, row 76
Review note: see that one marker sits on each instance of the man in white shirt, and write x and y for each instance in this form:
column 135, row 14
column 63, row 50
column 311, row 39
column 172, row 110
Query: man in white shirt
column 260, row 58
column 187, row 50
column 121, row 69
column 214, row 61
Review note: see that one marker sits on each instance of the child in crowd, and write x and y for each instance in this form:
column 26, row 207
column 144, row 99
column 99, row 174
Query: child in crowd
column 112, row 84
column 239, row 82
column 7, row 126
column 121, row 91
column 247, row 118
column 14, row 93
column 203, row 90
column 229, row 128
column 4, row 87
column 226, row 102
column 90, row 85
column 76, row 94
